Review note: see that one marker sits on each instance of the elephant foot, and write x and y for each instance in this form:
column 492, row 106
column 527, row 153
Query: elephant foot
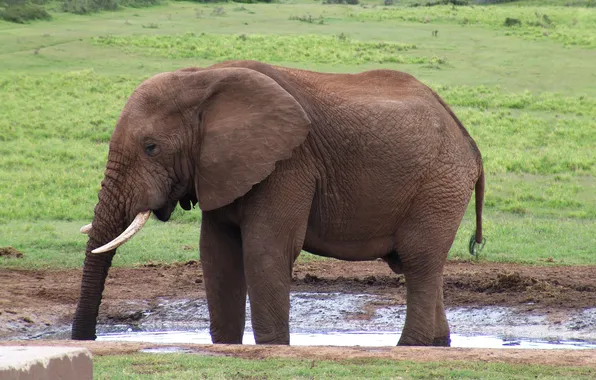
column 275, row 343
column 226, row 341
column 272, row 338
column 278, row 341
column 219, row 338
column 411, row 341
column 444, row 341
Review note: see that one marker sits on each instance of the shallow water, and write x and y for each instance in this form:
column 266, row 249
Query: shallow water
column 338, row 319
column 355, row 338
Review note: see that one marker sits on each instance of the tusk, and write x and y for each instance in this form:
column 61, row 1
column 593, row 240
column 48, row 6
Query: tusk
column 85, row 229
column 134, row 227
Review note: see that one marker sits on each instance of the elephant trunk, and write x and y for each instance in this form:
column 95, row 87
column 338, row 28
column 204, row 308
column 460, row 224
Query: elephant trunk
column 109, row 221
column 94, row 276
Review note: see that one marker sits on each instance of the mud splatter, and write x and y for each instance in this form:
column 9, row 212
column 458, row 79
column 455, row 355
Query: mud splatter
column 10, row 252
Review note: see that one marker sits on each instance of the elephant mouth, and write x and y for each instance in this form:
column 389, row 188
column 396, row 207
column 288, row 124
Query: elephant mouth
column 187, row 202
column 164, row 213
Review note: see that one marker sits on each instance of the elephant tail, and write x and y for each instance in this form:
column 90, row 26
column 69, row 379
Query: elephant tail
column 477, row 241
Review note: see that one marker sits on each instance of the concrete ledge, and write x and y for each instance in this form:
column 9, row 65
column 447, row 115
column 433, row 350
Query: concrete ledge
column 45, row 363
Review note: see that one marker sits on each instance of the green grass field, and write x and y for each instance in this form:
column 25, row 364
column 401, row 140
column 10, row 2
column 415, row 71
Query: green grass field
column 181, row 366
column 526, row 93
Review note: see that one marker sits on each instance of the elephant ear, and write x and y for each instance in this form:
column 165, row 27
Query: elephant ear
column 248, row 122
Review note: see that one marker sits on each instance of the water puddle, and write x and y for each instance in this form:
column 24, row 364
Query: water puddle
column 356, row 338
column 339, row 319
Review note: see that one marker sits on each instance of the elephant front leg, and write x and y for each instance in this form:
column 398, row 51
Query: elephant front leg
column 225, row 285
column 273, row 232
column 268, row 275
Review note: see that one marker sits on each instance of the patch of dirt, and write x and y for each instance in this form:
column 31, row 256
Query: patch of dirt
column 31, row 300
column 10, row 252
column 577, row 358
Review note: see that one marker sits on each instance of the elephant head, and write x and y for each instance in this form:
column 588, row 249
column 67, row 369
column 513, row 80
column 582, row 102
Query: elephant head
column 193, row 135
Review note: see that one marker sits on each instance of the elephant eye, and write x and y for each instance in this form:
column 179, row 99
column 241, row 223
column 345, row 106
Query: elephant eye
column 150, row 149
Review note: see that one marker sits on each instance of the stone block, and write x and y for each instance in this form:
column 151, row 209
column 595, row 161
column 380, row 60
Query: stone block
column 45, row 363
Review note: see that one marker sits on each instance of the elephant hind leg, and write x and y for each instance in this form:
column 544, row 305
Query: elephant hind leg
column 423, row 258
column 423, row 242
column 419, row 328
column 442, row 334
column 426, row 323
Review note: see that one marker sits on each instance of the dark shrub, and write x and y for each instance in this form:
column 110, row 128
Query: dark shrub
column 350, row 2
column 253, row 1
column 494, row 1
column 91, row 6
column 233, row 1
column 309, row 19
column 210, row 1
column 8, row 3
column 82, row 7
column 21, row 13
column 512, row 22
column 138, row 3
column 441, row 2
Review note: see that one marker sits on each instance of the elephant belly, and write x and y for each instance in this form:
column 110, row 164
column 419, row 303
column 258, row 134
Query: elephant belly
column 350, row 250
column 360, row 225
column 353, row 233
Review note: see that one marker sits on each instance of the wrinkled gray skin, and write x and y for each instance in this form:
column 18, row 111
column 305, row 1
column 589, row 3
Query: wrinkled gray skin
column 355, row 167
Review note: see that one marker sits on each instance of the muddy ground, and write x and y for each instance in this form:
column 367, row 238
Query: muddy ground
column 34, row 301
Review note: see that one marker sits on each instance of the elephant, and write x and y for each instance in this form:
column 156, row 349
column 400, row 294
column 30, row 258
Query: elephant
column 358, row 167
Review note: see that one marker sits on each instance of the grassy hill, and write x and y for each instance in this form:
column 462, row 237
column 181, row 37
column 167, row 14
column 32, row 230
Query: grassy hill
column 520, row 76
